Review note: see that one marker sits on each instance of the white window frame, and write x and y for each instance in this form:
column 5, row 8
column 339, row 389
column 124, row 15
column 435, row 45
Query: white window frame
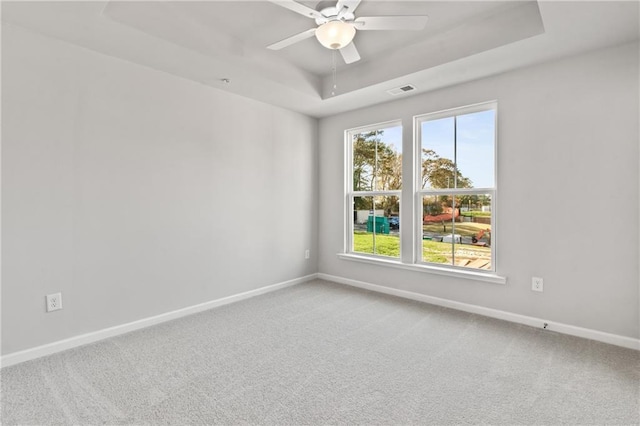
column 412, row 201
column 351, row 194
column 420, row 193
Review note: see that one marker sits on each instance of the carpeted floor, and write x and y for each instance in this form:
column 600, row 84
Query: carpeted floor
column 323, row 353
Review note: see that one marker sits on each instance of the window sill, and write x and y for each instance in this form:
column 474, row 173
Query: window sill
column 470, row 275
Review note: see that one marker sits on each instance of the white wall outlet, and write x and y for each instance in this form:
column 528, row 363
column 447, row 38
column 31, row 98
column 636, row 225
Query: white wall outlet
column 306, row 254
column 537, row 284
column 54, row 302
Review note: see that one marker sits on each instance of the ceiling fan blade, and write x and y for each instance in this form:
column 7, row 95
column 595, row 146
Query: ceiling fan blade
column 346, row 6
column 293, row 39
column 298, row 8
column 391, row 22
column 350, row 53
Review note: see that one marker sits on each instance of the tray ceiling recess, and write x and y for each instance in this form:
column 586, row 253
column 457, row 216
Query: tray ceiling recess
column 208, row 41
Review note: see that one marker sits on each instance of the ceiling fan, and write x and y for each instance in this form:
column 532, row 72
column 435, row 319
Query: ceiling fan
column 337, row 26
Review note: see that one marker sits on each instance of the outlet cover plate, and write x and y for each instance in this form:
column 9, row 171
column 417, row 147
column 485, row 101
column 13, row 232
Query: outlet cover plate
column 54, row 302
column 537, row 284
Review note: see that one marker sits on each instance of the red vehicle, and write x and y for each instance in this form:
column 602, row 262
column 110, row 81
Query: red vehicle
column 446, row 216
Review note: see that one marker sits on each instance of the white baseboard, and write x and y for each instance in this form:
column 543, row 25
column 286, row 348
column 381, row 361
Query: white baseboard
column 83, row 339
column 614, row 339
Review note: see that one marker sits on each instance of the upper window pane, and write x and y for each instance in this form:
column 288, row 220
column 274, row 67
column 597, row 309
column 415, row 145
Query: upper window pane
column 438, row 153
column 458, row 151
column 475, row 148
column 377, row 160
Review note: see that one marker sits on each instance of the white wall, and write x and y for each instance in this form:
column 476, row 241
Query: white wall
column 134, row 192
column 568, row 144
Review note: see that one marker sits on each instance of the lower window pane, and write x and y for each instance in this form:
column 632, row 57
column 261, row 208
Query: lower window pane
column 437, row 229
column 376, row 225
column 475, row 229
column 363, row 241
column 457, row 230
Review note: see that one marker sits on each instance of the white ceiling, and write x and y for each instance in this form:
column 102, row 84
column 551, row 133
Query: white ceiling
column 207, row 41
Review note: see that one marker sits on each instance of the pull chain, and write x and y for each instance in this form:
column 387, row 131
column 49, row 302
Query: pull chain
column 333, row 69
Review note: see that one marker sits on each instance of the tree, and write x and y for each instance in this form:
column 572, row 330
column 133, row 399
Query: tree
column 364, row 153
column 438, row 172
column 376, row 167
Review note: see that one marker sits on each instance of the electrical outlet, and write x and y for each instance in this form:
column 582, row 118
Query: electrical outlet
column 537, row 284
column 54, row 302
column 306, row 254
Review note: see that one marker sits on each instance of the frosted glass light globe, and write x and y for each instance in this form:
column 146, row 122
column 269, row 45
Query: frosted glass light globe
column 335, row 34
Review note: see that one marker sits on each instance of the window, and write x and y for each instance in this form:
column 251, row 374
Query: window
column 457, row 187
column 373, row 193
column 453, row 179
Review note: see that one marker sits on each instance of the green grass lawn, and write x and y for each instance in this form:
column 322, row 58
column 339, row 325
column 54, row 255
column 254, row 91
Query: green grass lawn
column 386, row 245
column 432, row 251
column 436, row 252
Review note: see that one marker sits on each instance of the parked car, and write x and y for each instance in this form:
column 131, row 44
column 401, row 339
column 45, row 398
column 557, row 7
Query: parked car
column 452, row 238
column 394, row 222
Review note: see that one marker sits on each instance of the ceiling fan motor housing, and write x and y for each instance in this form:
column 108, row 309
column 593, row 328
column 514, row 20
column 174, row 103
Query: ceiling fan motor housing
column 331, row 14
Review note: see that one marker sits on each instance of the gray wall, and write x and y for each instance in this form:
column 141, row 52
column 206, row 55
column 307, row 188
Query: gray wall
column 135, row 192
column 568, row 191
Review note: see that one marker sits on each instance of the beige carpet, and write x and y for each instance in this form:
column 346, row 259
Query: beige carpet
column 323, row 353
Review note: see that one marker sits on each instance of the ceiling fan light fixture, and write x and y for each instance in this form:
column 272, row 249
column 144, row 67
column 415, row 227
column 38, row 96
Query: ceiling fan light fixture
column 335, row 34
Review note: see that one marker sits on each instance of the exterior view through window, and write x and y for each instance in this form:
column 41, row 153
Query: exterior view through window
column 453, row 174
column 374, row 193
column 457, row 186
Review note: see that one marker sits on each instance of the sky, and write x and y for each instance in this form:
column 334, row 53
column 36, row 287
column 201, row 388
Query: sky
column 475, row 143
column 393, row 136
